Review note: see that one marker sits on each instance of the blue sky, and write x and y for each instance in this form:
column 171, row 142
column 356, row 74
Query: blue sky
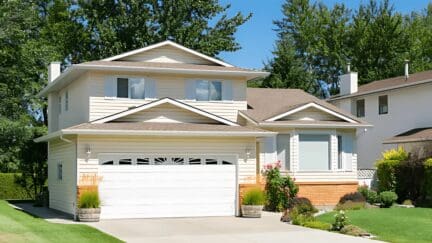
column 257, row 37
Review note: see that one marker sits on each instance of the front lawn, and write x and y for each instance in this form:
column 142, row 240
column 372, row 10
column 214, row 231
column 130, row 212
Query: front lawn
column 17, row 226
column 391, row 224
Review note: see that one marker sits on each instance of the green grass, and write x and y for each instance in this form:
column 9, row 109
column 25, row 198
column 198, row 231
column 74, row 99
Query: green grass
column 391, row 224
column 17, row 226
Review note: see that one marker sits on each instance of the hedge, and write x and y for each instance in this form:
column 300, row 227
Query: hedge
column 9, row 189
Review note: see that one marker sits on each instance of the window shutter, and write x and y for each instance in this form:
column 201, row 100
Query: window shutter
column 347, row 148
column 227, row 93
column 190, row 89
column 150, row 89
column 110, row 87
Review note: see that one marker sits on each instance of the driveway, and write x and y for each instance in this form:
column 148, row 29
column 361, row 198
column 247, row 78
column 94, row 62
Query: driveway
column 217, row 230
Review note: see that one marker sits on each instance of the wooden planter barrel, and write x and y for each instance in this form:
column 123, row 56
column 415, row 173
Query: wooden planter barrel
column 89, row 214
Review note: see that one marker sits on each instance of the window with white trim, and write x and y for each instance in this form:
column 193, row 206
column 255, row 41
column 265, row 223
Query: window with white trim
column 314, row 152
column 130, row 88
column 340, row 152
column 383, row 104
column 59, row 171
column 206, row 90
column 66, row 100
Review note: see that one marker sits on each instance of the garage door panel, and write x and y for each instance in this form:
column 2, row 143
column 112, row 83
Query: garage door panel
column 147, row 191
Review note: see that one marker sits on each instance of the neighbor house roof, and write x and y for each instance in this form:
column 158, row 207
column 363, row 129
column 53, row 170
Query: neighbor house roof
column 158, row 129
column 265, row 104
column 389, row 84
column 414, row 135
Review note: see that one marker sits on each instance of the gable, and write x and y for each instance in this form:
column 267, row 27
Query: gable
column 310, row 114
column 166, row 113
column 166, row 54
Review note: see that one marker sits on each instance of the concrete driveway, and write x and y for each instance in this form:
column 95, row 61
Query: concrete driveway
column 217, row 230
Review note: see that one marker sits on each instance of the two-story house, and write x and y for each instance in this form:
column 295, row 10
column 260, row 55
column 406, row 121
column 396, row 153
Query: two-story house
column 398, row 108
column 166, row 131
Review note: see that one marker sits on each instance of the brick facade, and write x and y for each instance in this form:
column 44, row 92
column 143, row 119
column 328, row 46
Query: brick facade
column 325, row 193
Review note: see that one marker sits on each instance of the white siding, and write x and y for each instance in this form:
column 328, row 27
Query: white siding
column 166, row 86
column 215, row 146
column 78, row 111
column 167, row 54
column 166, row 113
column 408, row 108
column 62, row 193
column 311, row 114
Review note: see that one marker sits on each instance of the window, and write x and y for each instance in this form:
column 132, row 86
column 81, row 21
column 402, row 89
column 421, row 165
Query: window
column 383, row 104
column 340, row 152
column 360, row 108
column 59, row 105
column 314, row 152
column 59, row 171
column 130, row 88
column 208, row 90
column 66, row 100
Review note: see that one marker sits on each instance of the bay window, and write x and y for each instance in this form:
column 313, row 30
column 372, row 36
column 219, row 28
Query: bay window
column 314, row 152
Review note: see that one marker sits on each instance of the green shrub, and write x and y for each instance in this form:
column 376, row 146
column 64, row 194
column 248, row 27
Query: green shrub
column 350, row 205
column 341, row 220
column 407, row 202
column 254, row 196
column 11, row 190
column 317, row 225
column 427, row 185
column 387, row 198
column 297, row 218
column 386, row 168
column 279, row 190
column 303, row 206
column 371, row 196
column 353, row 197
column 352, row 230
column 89, row 199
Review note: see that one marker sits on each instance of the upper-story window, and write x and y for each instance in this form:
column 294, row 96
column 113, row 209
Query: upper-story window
column 129, row 87
column 383, row 104
column 208, row 90
column 59, row 104
column 360, row 108
column 66, row 100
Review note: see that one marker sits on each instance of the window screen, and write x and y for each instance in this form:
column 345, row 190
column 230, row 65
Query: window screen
column 383, row 104
column 360, row 108
column 122, row 87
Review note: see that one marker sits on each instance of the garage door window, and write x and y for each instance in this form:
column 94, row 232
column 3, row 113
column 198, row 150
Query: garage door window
column 142, row 160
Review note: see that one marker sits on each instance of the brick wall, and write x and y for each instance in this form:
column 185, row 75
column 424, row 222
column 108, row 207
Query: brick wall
column 325, row 193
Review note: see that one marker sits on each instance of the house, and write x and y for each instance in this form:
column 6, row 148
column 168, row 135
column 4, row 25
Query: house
column 398, row 108
column 166, row 131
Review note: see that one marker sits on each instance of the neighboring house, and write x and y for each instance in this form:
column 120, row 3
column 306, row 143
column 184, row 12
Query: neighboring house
column 398, row 108
column 166, row 131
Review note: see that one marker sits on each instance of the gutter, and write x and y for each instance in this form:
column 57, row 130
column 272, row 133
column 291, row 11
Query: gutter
column 301, row 125
column 380, row 90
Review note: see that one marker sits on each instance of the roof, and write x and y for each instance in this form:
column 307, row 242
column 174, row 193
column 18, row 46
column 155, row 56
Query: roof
column 158, row 129
column 168, row 43
column 267, row 103
column 161, row 101
column 390, row 83
column 413, row 135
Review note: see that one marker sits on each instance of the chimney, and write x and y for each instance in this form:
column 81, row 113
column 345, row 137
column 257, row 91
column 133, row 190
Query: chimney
column 53, row 71
column 406, row 69
column 348, row 82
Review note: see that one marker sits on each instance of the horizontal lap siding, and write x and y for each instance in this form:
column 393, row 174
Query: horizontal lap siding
column 167, row 54
column 180, row 146
column 173, row 86
column 62, row 193
column 167, row 113
column 311, row 114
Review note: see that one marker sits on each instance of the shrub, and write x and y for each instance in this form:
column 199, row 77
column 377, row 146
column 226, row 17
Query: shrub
column 297, row 218
column 353, row 230
column 387, row 198
column 254, row 196
column 371, row 196
column 341, row 220
column 427, row 186
column 303, row 206
column 11, row 190
column 317, row 225
column 386, row 168
column 407, row 202
column 350, row 205
column 89, row 199
column 280, row 190
column 353, row 197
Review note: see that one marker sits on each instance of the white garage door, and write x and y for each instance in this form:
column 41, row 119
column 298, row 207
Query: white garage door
column 142, row 186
